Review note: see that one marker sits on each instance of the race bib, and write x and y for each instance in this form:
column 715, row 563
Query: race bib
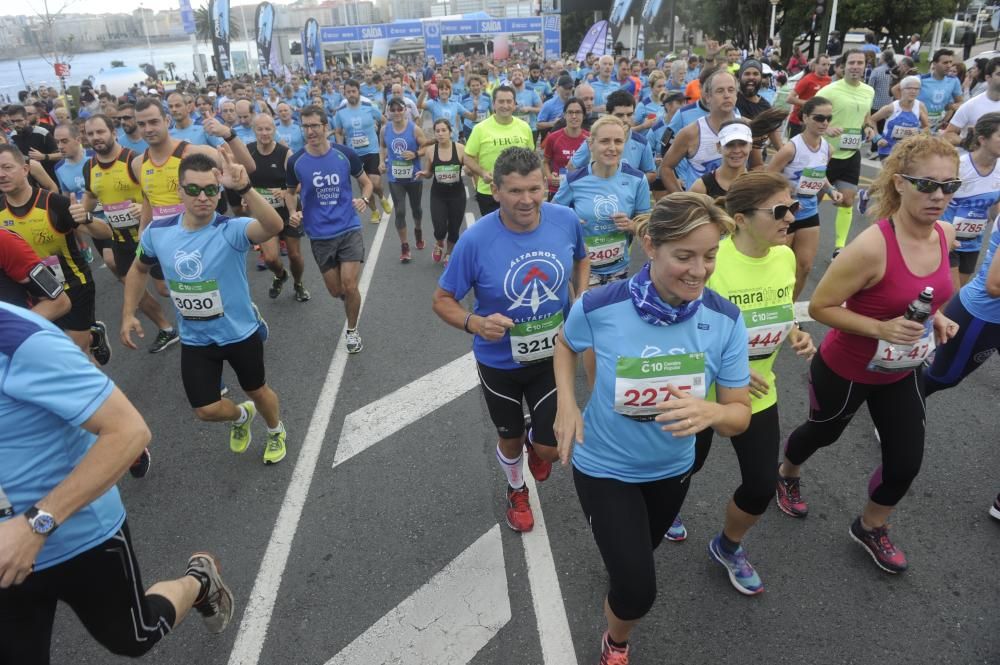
column 402, row 170
column 197, row 301
column 899, row 132
column 359, row 141
column 56, row 267
column 901, row 357
column 850, row 140
column 159, row 212
column 275, row 201
column 607, row 249
column 935, row 118
column 767, row 328
column 119, row 215
column 532, row 341
column 641, row 383
column 448, row 174
column 811, row 182
column 480, row 116
column 969, row 228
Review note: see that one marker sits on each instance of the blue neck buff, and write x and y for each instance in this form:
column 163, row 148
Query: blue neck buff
column 651, row 308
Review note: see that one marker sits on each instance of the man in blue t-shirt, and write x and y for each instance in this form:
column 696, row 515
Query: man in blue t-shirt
column 184, row 127
column 68, row 540
column 203, row 258
column 288, row 131
column 357, row 126
column 329, row 212
column 129, row 135
column 519, row 261
column 940, row 92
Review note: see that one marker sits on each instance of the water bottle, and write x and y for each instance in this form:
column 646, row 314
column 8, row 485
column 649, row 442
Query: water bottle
column 920, row 309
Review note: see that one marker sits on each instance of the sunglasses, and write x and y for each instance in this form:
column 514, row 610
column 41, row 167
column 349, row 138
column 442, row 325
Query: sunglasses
column 195, row 190
column 779, row 211
column 927, row 185
column 822, row 118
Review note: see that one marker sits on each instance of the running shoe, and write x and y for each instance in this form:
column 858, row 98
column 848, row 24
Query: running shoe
column 274, row 449
column 354, row 344
column 519, row 517
column 788, row 496
column 404, row 253
column 284, row 248
column 376, row 216
column 540, row 469
column 140, row 467
column 386, row 205
column 300, row 292
column 741, row 573
column 240, row 435
column 437, row 253
column 418, row 234
column 995, row 508
column 164, row 338
column 863, row 199
column 88, row 254
column 223, row 389
column 886, row 556
column 99, row 346
column 611, row 655
column 277, row 283
column 677, row 533
column 215, row 603
column 263, row 329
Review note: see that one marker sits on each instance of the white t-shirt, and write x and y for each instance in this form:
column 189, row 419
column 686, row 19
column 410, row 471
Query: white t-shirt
column 971, row 111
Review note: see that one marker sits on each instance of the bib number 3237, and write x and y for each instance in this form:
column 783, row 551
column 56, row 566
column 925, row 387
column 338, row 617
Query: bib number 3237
column 641, row 383
column 533, row 341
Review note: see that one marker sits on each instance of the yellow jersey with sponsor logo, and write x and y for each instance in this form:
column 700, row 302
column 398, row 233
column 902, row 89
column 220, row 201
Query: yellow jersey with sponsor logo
column 44, row 221
column 115, row 186
column 159, row 182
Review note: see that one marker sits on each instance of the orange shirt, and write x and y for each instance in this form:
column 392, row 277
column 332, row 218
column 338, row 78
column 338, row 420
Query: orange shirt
column 693, row 91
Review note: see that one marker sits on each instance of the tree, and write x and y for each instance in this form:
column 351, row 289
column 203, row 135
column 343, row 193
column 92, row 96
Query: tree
column 203, row 25
column 896, row 20
column 117, row 63
column 743, row 22
column 170, row 67
column 52, row 49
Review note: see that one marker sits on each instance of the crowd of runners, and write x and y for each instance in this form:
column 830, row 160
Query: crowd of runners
column 577, row 168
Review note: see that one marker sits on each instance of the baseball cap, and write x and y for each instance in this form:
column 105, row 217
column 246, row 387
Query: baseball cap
column 735, row 132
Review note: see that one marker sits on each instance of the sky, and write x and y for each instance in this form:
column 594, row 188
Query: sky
column 29, row 7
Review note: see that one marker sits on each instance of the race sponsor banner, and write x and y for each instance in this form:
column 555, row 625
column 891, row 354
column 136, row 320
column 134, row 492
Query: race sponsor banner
column 187, row 17
column 218, row 11
column 594, row 41
column 432, row 41
column 552, row 36
column 310, row 36
column 265, row 26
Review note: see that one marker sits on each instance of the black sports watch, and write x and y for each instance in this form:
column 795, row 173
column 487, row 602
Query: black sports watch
column 41, row 522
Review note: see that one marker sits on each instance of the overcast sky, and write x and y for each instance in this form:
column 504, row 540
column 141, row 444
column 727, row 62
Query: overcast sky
column 25, row 7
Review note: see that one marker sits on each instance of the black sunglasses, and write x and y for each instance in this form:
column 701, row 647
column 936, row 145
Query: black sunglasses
column 779, row 211
column 927, row 185
column 195, row 190
column 822, row 118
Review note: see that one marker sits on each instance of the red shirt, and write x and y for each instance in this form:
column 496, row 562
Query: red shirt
column 558, row 148
column 806, row 89
column 17, row 258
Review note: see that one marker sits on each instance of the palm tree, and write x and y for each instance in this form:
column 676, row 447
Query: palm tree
column 169, row 66
column 203, row 25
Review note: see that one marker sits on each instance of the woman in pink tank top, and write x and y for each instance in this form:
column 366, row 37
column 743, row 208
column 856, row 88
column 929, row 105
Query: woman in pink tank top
column 873, row 353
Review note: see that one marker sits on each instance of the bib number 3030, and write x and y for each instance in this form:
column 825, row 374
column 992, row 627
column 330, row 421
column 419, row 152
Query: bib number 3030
column 641, row 383
column 533, row 341
column 197, row 301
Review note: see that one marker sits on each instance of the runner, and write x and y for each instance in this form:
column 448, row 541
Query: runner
column 971, row 111
column 940, row 92
column 804, row 161
column 27, row 282
column 400, row 142
column 528, row 102
column 560, row 145
column 873, row 353
column 204, row 259
column 443, row 161
column 552, row 110
column 184, row 127
column 903, row 117
column 661, row 335
column 491, row 137
column 46, row 220
column 735, row 145
column 269, row 180
column 329, row 215
column 650, row 110
column 969, row 210
column 357, row 126
column 850, row 127
column 518, row 260
column 289, row 132
column 638, row 153
column 604, row 84
column 816, row 78
column 63, row 531
column 129, row 134
column 443, row 106
column 477, row 105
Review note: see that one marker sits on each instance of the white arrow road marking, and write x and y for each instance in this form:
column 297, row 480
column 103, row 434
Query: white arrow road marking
column 260, row 606
column 369, row 424
column 801, row 310
column 447, row 620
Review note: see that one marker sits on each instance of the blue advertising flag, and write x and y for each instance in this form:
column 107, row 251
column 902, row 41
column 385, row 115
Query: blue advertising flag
column 265, row 26
column 432, row 41
column 218, row 11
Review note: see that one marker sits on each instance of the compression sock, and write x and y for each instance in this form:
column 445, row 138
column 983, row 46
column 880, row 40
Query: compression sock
column 512, row 468
column 844, row 217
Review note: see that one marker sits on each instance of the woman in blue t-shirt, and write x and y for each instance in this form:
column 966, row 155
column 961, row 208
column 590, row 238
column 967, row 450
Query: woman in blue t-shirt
column 660, row 339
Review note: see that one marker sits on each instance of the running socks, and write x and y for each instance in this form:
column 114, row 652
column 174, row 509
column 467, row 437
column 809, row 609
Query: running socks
column 277, row 430
column 512, row 468
column 244, row 416
column 844, row 217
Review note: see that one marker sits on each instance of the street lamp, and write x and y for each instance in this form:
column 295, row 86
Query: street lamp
column 774, row 10
column 142, row 13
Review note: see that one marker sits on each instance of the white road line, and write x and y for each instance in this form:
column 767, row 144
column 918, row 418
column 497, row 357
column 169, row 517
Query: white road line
column 253, row 628
column 801, row 310
column 369, row 424
column 872, row 164
column 470, row 219
column 546, row 596
column 447, row 620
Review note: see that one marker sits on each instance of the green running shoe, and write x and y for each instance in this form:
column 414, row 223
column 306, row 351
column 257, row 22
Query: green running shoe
column 240, row 435
column 274, row 450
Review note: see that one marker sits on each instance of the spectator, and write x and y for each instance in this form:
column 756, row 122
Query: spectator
column 912, row 50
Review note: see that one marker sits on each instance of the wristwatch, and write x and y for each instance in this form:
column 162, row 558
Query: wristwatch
column 41, row 522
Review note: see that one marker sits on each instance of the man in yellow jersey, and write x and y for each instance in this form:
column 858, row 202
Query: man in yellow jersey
column 156, row 169
column 109, row 180
column 43, row 218
column 491, row 137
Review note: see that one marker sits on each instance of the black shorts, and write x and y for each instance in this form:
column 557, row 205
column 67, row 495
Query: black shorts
column 964, row 261
column 290, row 231
column 370, row 163
column 845, row 171
column 807, row 223
column 505, row 389
column 201, row 368
column 124, row 250
column 82, row 314
column 102, row 243
column 345, row 248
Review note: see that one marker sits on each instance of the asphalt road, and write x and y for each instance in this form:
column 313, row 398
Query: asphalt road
column 394, row 554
